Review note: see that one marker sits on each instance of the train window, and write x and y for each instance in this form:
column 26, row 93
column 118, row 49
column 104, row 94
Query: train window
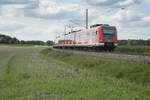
column 96, row 32
column 109, row 33
column 109, row 30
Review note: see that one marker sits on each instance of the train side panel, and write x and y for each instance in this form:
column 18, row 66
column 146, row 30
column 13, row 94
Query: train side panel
column 98, row 37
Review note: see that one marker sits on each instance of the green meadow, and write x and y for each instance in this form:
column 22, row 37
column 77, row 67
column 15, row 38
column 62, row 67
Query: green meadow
column 39, row 73
column 133, row 49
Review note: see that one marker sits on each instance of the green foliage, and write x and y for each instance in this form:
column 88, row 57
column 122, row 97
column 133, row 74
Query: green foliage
column 49, row 43
column 35, row 42
column 140, row 42
column 134, row 42
column 138, row 73
column 133, row 49
column 33, row 74
column 9, row 40
column 122, row 42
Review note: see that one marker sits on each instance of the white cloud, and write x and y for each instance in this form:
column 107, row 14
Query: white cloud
column 147, row 1
column 112, row 3
column 10, row 10
column 126, row 2
column 52, row 10
column 128, row 15
column 146, row 19
column 10, row 25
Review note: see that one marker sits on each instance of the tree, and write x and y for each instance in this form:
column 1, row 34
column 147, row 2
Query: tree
column 49, row 42
column 122, row 42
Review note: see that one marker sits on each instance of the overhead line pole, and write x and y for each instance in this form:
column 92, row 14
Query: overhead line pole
column 86, row 18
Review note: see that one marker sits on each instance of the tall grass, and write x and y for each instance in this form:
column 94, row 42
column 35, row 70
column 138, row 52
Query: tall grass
column 134, row 72
column 51, row 75
column 135, row 76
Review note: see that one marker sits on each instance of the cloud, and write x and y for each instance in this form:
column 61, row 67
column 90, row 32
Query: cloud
column 9, row 2
column 43, row 31
column 112, row 3
column 10, row 10
column 10, row 25
column 121, row 16
column 30, row 28
column 131, row 18
column 57, row 14
column 52, row 10
column 147, row 1
column 128, row 15
column 26, row 4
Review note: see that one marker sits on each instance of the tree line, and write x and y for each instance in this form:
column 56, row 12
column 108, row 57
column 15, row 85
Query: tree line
column 134, row 42
column 4, row 39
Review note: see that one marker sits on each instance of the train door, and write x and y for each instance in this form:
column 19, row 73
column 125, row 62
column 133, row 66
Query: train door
column 74, row 39
column 97, row 36
column 90, row 38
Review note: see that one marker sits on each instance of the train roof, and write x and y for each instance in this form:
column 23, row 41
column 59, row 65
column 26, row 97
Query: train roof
column 92, row 26
column 96, row 25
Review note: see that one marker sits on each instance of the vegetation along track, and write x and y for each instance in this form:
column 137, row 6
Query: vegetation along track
column 39, row 73
column 116, row 56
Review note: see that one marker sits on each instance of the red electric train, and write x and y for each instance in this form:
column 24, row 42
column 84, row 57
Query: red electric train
column 97, row 37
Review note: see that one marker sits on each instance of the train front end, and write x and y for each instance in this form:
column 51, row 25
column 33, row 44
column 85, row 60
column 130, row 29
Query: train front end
column 108, row 36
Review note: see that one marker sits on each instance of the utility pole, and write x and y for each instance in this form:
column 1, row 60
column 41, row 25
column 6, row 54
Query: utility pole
column 86, row 18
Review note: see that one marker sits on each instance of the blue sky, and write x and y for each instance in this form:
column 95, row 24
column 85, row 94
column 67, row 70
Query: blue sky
column 44, row 19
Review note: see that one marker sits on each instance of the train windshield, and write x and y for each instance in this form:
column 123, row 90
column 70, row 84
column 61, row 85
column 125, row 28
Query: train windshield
column 109, row 33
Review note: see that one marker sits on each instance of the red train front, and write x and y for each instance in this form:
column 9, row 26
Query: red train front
column 98, row 37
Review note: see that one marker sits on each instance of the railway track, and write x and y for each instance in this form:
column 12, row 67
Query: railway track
column 113, row 55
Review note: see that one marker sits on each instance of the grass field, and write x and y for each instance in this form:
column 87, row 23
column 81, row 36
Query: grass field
column 133, row 49
column 36, row 73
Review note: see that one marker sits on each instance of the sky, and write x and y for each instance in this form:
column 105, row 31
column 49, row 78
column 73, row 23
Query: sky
column 45, row 19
